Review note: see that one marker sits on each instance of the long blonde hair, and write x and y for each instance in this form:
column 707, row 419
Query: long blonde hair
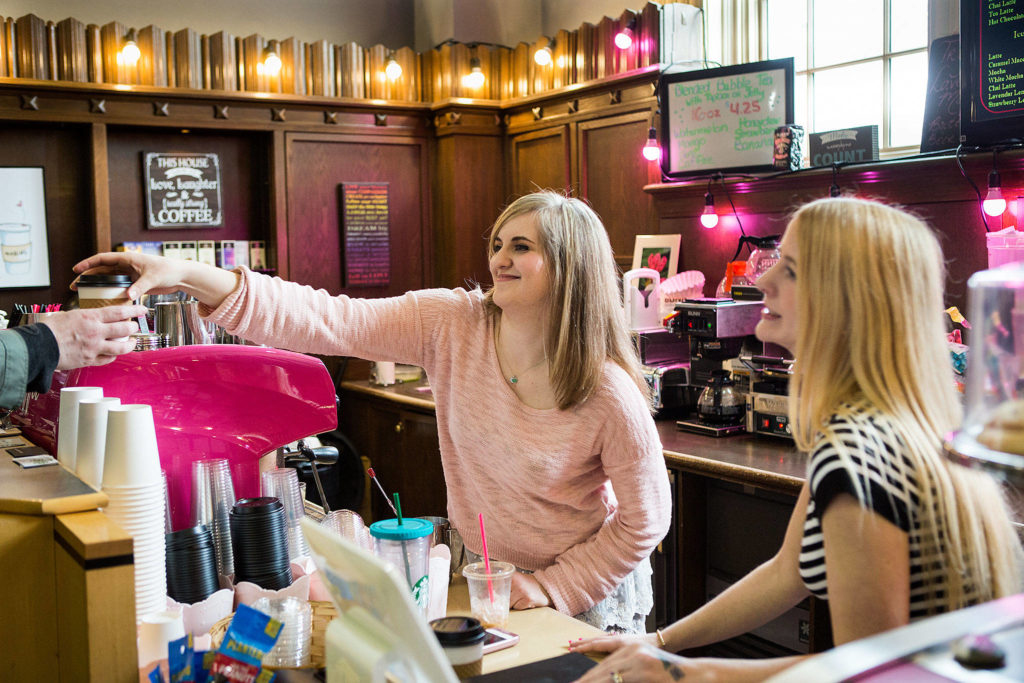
column 872, row 341
column 585, row 326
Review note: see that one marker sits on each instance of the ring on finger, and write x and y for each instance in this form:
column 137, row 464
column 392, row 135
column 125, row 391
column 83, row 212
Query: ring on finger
column 616, row 677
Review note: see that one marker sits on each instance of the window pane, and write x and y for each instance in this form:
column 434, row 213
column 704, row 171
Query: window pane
column 787, row 31
column 908, row 82
column 800, row 102
column 845, row 31
column 909, row 24
column 849, row 96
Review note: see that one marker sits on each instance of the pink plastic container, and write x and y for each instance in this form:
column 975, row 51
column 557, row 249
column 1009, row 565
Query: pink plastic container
column 209, row 401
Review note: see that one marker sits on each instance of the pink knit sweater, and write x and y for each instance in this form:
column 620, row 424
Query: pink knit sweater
column 580, row 496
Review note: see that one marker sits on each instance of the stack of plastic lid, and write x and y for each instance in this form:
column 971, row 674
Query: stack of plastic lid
column 191, row 565
column 259, row 540
column 283, row 484
column 293, row 645
column 213, row 494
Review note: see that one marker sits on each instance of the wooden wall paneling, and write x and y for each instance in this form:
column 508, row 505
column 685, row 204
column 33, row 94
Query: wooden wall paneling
column 278, row 209
column 505, row 77
column 111, row 39
column 586, row 62
column 322, row 69
column 100, row 188
column 542, row 77
column 407, row 88
column 172, row 60
column 604, row 43
column 293, row 66
column 352, row 70
column 10, row 47
column 223, row 62
column 375, row 78
column 72, row 51
column 251, row 58
column 244, row 178
column 188, row 59
column 153, row 59
column 4, row 66
column 649, row 33
column 540, row 160
column 459, row 66
column 94, row 53
column 522, row 57
column 31, row 47
column 467, row 163
column 51, row 50
column 316, row 165
column 612, row 174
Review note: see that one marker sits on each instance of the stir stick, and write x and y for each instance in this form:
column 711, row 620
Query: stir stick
column 405, row 552
column 369, row 470
column 487, row 560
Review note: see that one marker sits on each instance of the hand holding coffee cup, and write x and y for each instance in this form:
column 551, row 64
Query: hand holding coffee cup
column 94, row 336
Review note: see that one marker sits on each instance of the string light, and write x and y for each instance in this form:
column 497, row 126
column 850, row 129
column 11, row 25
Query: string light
column 651, row 149
column 624, row 38
column 709, row 218
column 271, row 60
column 392, row 69
column 130, row 52
column 475, row 78
column 994, row 203
column 544, row 55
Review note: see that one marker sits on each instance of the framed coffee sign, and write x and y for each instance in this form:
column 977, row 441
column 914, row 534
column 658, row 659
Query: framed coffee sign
column 182, row 190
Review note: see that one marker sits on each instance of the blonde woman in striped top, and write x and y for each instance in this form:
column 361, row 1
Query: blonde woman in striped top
column 885, row 528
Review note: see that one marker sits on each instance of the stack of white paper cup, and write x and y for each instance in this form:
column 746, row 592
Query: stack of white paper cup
column 133, row 483
column 67, row 426
column 92, row 438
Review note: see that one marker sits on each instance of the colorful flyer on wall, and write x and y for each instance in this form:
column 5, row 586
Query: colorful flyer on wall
column 26, row 259
column 365, row 221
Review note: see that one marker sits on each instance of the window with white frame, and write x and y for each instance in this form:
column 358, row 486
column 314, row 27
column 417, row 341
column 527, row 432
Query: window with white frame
column 857, row 63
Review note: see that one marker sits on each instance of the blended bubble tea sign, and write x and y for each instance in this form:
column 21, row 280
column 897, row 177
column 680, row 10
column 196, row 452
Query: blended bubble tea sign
column 26, row 259
column 724, row 119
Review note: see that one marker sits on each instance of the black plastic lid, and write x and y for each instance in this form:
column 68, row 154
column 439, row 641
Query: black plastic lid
column 256, row 506
column 457, row 631
column 104, row 280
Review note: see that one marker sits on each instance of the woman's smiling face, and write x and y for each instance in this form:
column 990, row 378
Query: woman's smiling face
column 778, row 323
column 517, row 265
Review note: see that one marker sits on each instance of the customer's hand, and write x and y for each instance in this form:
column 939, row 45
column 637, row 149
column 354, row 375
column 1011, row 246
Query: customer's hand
column 527, row 592
column 643, row 662
column 94, row 336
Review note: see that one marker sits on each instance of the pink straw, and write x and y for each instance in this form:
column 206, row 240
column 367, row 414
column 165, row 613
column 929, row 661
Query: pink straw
column 487, row 560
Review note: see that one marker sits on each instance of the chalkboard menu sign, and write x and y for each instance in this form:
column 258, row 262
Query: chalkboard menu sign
column 182, row 190
column 724, row 119
column 366, row 224
column 941, row 126
column 992, row 71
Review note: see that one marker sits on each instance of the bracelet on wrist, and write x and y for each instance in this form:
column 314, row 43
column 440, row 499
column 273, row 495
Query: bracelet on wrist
column 661, row 638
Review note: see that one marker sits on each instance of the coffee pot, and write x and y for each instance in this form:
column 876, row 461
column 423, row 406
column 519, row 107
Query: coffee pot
column 721, row 403
column 642, row 306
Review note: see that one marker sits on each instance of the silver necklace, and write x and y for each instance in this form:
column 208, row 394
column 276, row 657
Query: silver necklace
column 514, row 377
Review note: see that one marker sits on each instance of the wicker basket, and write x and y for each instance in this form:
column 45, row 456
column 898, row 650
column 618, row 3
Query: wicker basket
column 323, row 612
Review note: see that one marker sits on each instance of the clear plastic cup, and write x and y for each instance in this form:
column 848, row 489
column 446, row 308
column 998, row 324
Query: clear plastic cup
column 213, row 495
column 283, row 484
column 348, row 524
column 406, row 547
column 293, row 644
column 492, row 614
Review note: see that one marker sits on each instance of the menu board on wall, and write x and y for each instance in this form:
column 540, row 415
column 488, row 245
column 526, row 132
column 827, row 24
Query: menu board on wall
column 991, row 72
column 365, row 220
column 182, row 190
column 724, row 119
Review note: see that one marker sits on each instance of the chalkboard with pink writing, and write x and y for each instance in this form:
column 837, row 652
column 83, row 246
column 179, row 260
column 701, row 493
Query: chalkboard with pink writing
column 724, row 119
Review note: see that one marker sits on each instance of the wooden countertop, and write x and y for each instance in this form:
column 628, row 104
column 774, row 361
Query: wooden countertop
column 51, row 490
column 762, row 461
column 543, row 632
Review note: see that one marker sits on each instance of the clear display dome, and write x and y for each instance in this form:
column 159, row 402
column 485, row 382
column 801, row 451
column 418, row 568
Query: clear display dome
column 992, row 434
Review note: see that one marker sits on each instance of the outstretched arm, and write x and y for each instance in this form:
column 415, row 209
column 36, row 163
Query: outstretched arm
column 159, row 275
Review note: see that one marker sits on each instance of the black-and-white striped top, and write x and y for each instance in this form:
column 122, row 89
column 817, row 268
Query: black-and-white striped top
column 876, row 459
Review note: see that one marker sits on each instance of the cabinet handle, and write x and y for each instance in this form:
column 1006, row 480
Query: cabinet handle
column 399, row 427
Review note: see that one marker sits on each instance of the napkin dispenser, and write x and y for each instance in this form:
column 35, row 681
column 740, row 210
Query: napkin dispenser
column 209, row 401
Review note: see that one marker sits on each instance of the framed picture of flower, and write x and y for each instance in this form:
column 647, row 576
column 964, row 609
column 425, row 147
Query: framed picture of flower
column 660, row 252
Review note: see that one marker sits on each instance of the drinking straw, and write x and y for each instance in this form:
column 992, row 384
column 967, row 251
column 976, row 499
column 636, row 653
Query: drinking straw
column 487, row 560
column 405, row 553
column 369, row 470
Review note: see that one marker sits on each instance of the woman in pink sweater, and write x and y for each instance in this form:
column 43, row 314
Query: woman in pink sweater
column 543, row 414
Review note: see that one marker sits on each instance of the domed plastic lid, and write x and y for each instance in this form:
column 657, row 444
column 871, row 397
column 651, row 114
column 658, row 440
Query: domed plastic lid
column 457, row 631
column 410, row 528
column 104, row 280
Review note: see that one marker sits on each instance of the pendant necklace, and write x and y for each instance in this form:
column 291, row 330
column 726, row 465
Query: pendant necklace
column 514, row 377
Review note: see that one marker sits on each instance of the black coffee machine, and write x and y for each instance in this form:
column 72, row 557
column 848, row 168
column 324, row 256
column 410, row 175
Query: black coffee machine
column 718, row 329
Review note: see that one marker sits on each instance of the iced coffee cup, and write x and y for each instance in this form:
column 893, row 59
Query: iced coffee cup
column 489, row 592
column 103, row 289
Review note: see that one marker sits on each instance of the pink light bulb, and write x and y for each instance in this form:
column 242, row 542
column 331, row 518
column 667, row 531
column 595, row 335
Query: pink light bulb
column 994, row 204
column 624, row 39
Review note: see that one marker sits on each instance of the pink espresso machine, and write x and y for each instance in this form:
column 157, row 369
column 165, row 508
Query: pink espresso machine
column 209, row 401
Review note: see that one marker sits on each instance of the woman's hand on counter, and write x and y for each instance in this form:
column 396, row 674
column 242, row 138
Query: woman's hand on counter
column 638, row 660
column 611, row 642
column 527, row 592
